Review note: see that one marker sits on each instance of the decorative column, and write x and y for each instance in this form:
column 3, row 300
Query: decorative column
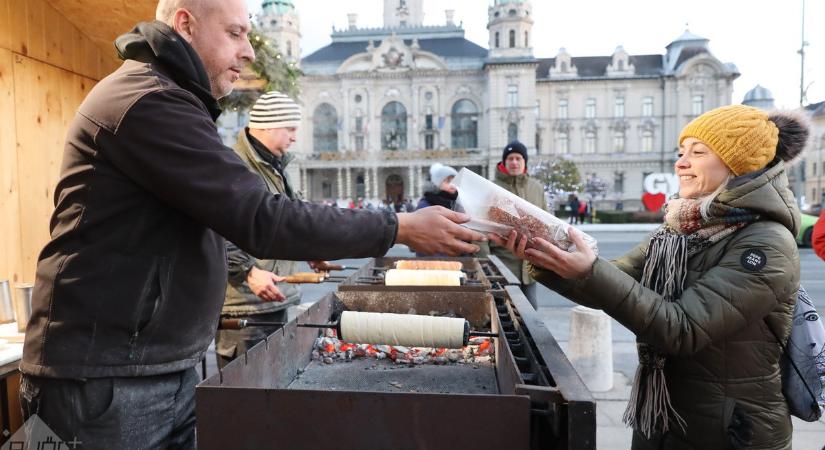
column 367, row 184
column 340, row 181
column 411, row 188
column 349, row 183
column 420, row 182
column 375, row 183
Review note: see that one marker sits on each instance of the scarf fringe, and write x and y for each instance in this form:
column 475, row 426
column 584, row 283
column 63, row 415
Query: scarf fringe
column 656, row 406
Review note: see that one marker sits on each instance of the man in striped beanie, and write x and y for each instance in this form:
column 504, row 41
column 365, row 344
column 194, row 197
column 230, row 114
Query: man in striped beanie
column 255, row 290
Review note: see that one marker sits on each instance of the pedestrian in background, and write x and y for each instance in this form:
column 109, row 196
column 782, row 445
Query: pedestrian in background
column 511, row 174
column 440, row 191
column 573, row 204
column 709, row 291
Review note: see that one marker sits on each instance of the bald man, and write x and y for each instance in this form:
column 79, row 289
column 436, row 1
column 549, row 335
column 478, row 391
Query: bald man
column 129, row 289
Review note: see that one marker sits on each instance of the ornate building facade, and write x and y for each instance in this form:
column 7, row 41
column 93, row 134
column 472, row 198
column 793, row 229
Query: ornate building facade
column 382, row 104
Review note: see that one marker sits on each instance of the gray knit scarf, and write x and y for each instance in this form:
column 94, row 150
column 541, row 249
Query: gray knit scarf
column 684, row 234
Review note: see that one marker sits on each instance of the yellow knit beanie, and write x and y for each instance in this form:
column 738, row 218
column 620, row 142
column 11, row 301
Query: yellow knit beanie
column 742, row 136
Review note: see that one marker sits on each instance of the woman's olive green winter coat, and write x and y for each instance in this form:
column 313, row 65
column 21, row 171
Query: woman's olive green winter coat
column 721, row 355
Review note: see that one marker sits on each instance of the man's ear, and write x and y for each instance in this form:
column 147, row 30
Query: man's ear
column 183, row 22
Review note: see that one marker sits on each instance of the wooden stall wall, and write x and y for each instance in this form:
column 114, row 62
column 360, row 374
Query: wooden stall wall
column 47, row 66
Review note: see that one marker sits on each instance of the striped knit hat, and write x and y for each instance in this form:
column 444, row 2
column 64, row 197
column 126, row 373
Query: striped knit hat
column 274, row 110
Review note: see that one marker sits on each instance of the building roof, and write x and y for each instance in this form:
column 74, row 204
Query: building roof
column 596, row 66
column 816, row 109
column 758, row 93
column 453, row 47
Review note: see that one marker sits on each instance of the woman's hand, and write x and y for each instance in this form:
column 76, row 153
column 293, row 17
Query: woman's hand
column 568, row 265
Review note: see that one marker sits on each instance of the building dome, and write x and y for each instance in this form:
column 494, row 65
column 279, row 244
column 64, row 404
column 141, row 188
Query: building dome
column 759, row 97
column 277, row 6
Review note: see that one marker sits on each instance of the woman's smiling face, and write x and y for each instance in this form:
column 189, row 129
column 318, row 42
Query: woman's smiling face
column 699, row 169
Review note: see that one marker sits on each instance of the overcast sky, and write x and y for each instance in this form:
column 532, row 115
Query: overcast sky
column 761, row 37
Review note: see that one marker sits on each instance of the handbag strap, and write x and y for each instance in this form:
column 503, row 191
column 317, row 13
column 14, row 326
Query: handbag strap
column 793, row 364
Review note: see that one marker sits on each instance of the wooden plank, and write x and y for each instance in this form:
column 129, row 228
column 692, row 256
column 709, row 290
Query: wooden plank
column 18, row 27
column 5, row 25
column 69, row 41
column 10, row 251
column 89, row 59
column 34, row 29
column 36, row 94
column 52, row 34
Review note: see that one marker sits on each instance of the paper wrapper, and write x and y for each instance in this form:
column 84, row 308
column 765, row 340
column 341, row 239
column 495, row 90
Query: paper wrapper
column 493, row 209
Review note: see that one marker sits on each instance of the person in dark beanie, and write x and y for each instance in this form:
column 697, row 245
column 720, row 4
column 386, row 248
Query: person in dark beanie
column 511, row 174
column 710, row 295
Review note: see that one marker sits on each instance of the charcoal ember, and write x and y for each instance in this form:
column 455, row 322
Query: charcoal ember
column 440, row 360
column 384, row 348
column 316, row 355
column 419, row 360
column 401, row 349
column 380, row 355
column 454, row 356
column 348, row 355
column 327, row 360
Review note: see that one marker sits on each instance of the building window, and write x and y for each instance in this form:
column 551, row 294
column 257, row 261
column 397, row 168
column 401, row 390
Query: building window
column 563, row 67
column 647, row 107
column 464, row 124
column 813, row 172
column 512, row 38
column 325, row 128
column 620, row 65
column 526, row 39
column 698, row 105
column 359, row 124
column 429, row 141
column 497, row 39
column 563, row 143
column 512, row 96
column 618, row 182
column 428, row 122
column 394, row 126
column 326, row 189
column 590, row 142
column 512, row 132
column 618, row 108
column 590, row 108
column 647, row 141
column 538, row 141
column 563, row 108
column 618, row 141
column 359, row 143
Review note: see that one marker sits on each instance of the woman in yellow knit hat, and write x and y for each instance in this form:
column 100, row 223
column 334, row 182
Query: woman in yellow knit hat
column 704, row 293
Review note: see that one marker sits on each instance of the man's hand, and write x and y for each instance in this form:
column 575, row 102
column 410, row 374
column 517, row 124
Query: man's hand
column 262, row 284
column 568, row 265
column 435, row 230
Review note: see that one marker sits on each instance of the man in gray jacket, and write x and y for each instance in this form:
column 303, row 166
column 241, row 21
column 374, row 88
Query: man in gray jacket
column 129, row 289
column 254, row 290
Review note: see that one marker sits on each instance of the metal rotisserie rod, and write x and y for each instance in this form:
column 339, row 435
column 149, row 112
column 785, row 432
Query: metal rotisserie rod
column 449, row 332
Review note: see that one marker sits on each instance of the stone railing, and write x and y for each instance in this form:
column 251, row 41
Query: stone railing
column 394, row 155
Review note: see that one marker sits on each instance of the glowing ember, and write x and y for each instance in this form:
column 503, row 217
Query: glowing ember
column 329, row 349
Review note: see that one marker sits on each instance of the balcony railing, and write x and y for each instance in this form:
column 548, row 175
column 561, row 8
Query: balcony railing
column 395, row 155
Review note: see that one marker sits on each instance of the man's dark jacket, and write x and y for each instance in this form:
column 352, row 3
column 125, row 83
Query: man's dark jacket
column 133, row 279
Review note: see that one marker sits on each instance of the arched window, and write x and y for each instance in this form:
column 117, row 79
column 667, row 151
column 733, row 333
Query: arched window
column 289, row 48
column 512, row 132
column 526, row 39
column 325, row 128
column 618, row 141
column 394, row 126
column 512, row 38
column 497, row 36
column 464, row 124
